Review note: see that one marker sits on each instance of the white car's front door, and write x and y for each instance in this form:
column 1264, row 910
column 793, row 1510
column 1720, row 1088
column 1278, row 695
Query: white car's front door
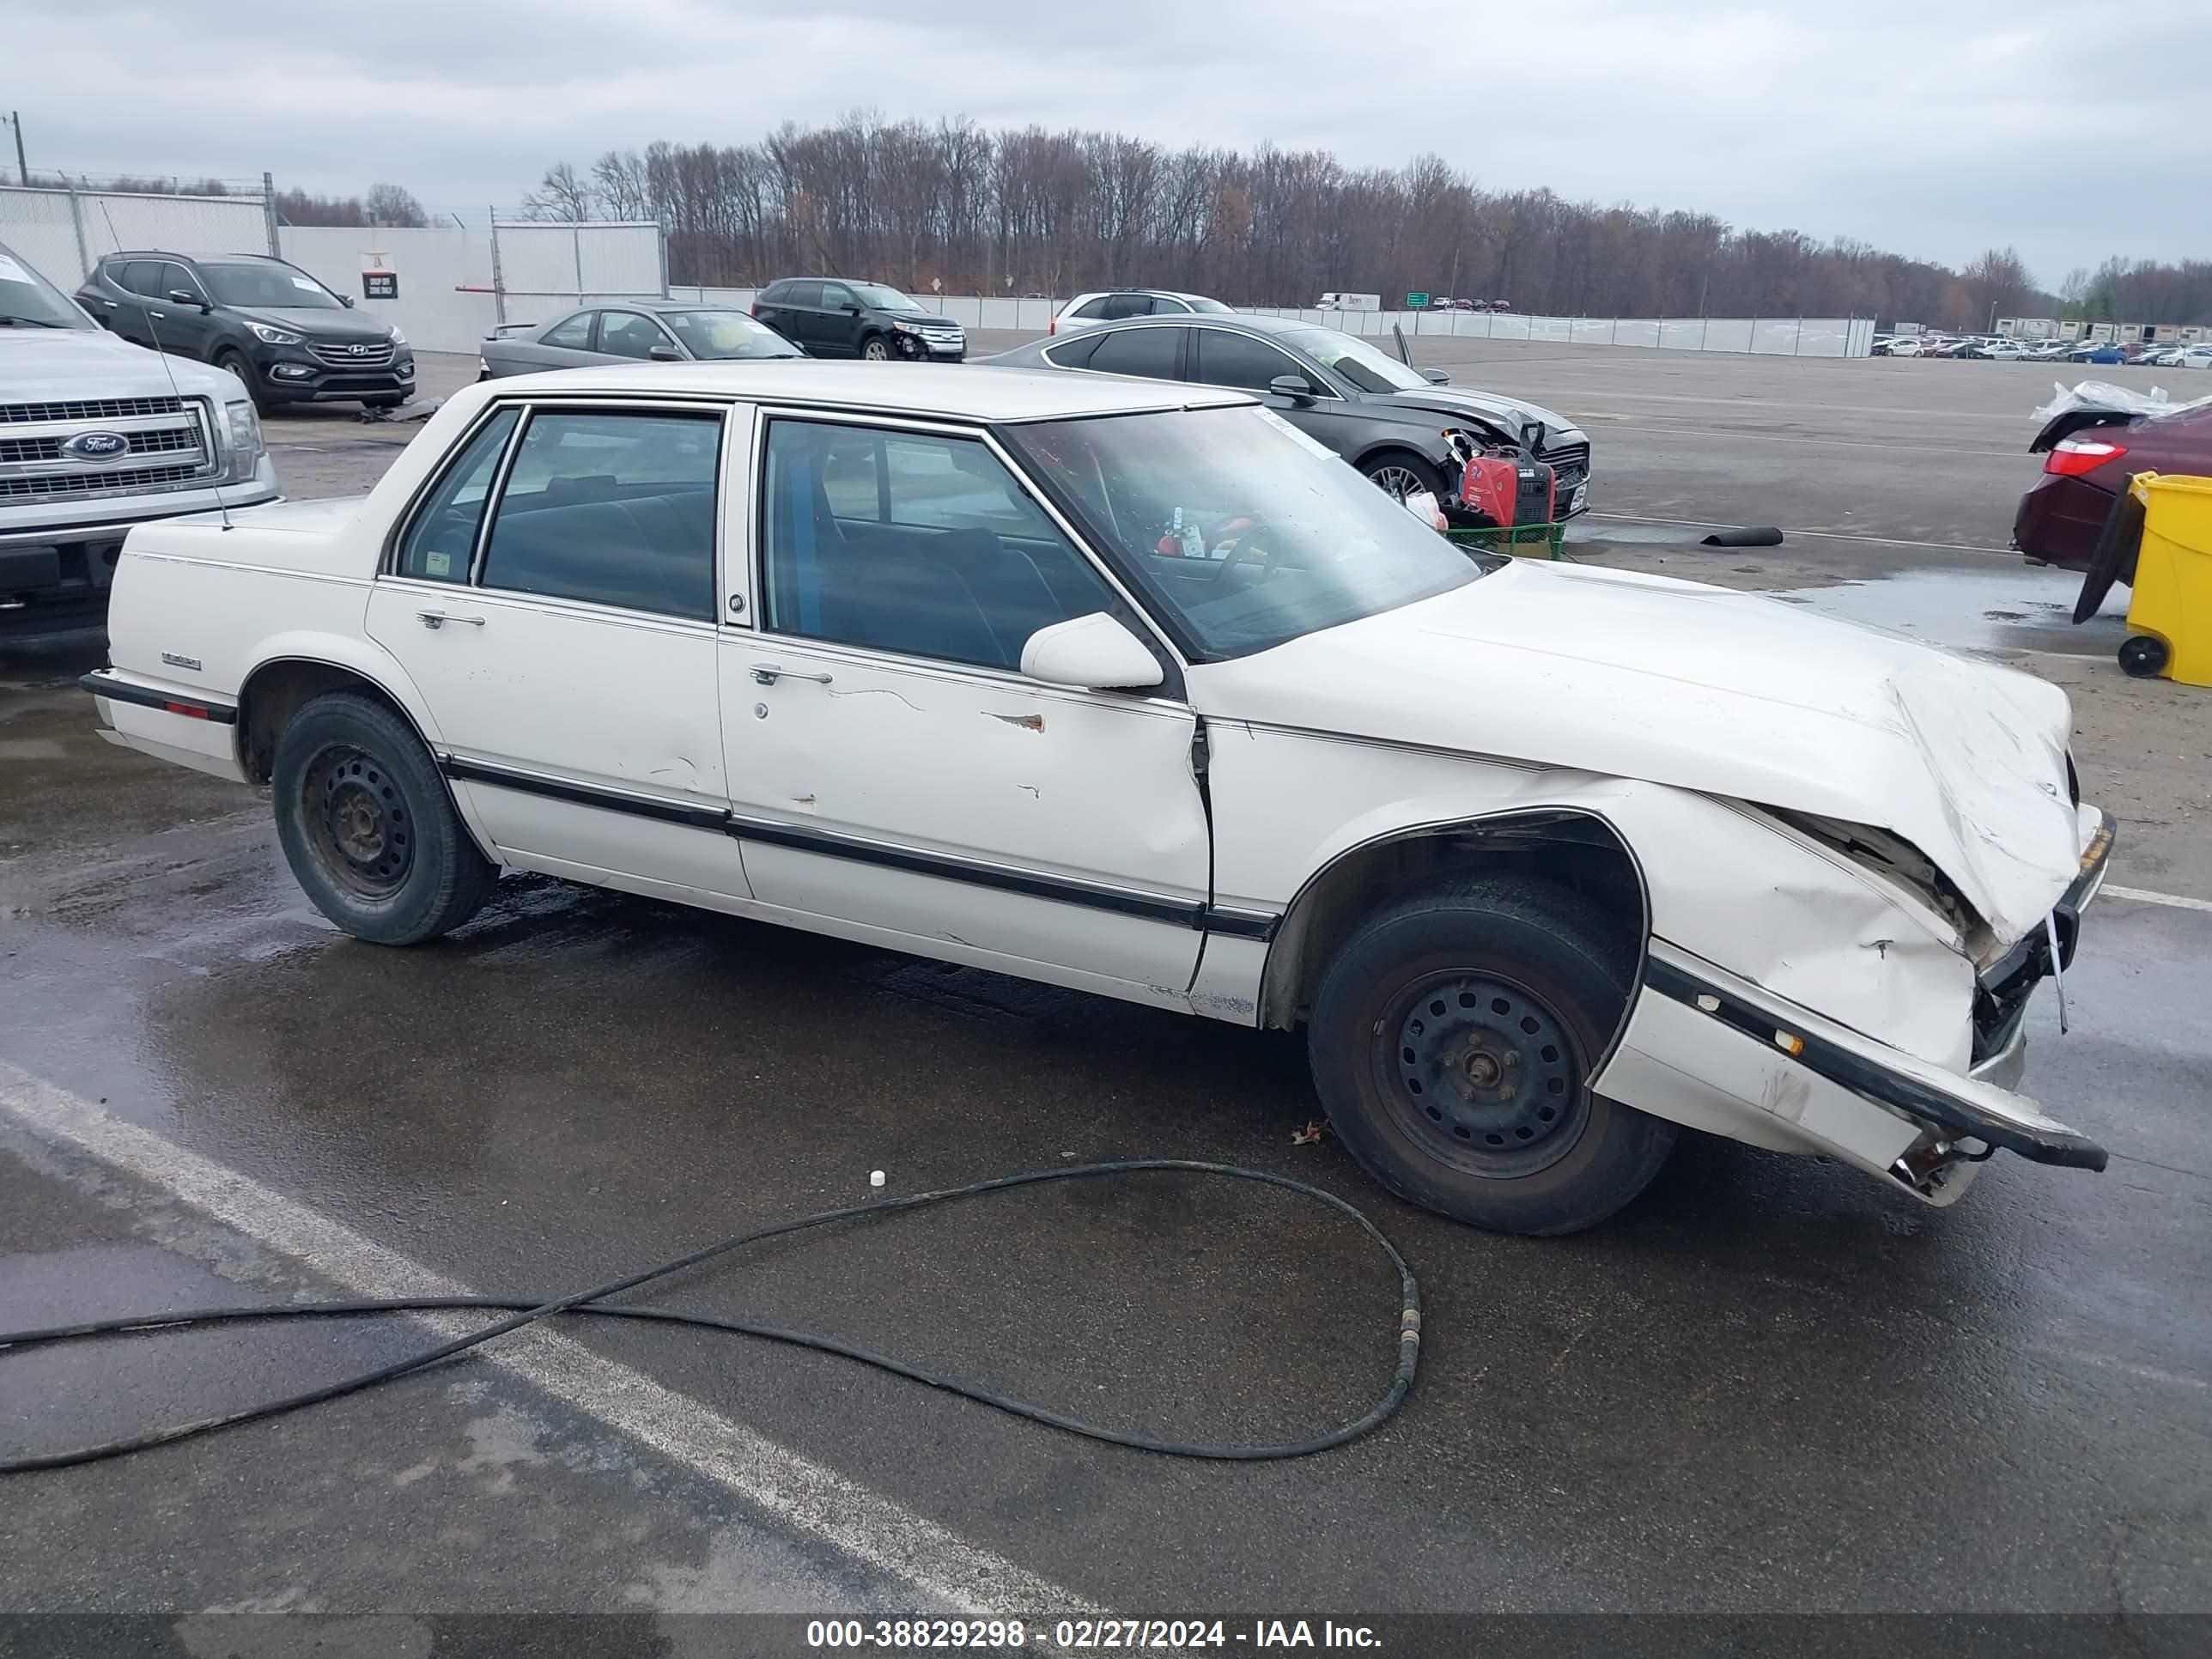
column 564, row 642
column 893, row 775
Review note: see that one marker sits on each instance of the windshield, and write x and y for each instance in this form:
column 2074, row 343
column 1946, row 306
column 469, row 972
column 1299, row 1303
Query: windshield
column 29, row 299
column 1244, row 532
column 1369, row 369
column 1198, row 304
column 877, row 297
column 725, row 334
column 267, row 287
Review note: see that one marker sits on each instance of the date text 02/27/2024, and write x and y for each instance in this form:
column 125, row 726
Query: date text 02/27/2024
column 1084, row 1635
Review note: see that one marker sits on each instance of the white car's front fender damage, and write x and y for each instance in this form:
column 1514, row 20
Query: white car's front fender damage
column 1794, row 998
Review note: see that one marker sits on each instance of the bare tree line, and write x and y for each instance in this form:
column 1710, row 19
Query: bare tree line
column 1035, row 211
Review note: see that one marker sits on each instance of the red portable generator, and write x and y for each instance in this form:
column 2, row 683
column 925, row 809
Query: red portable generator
column 1506, row 486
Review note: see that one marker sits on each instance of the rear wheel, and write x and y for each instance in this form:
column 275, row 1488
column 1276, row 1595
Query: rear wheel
column 1452, row 1042
column 369, row 827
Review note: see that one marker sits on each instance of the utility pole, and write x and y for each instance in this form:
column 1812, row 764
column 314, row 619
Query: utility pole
column 22, row 167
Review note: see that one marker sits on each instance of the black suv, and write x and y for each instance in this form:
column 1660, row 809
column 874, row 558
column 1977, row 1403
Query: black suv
column 835, row 317
column 282, row 333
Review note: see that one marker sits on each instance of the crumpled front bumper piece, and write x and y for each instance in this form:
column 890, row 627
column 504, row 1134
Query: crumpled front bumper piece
column 1707, row 1048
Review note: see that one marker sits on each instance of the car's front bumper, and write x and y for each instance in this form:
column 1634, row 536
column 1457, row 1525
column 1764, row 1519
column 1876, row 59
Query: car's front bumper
column 298, row 375
column 1711, row 1050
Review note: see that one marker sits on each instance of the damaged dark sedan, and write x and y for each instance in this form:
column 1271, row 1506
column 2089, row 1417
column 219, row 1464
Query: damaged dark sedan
column 1407, row 429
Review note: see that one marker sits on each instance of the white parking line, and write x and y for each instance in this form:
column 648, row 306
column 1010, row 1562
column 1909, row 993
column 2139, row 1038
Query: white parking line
column 873, row 1529
column 2145, row 895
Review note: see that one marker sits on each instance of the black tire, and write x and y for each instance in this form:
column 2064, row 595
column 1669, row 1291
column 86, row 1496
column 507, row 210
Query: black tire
column 369, row 827
column 2144, row 656
column 236, row 362
column 1521, row 967
column 1400, row 473
column 876, row 349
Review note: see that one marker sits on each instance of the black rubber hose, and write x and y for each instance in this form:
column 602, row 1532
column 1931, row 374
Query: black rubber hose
column 525, row 1312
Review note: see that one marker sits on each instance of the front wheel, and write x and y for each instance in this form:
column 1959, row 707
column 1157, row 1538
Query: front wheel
column 1452, row 1042
column 236, row 364
column 1399, row 473
column 876, row 349
column 367, row 826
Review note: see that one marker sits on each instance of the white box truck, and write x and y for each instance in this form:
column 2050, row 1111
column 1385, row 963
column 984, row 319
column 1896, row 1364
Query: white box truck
column 1349, row 302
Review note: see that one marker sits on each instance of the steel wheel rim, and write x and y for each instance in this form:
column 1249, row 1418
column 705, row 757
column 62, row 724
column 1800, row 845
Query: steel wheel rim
column 1482, row 1074
column 1398, row 481
column 359, row 826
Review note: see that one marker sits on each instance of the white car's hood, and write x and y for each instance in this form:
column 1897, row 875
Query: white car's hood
column 1726, row 693
column 54, row 365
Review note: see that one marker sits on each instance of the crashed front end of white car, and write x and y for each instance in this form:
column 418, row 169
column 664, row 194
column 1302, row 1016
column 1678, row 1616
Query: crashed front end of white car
column 1860, row 1011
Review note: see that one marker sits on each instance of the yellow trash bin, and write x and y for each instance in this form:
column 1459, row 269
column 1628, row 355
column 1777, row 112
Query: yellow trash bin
column 2170, row 611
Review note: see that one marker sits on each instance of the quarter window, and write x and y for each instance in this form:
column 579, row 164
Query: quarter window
column 1146, row 352
column 914, row 543
column 444, row 533
column 611, row 507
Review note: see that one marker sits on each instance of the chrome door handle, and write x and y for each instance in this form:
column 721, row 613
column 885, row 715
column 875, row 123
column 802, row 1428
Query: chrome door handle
column 767, row 673
column 436, row 619
column 150, row 313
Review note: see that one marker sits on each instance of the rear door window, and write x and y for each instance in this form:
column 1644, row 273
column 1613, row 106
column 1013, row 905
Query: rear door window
column 1128, row 304
column 1237, row 360
column 1078, row 352
column 142, row 277
column 611, row 507
column 1146, row 352
column 803, row 296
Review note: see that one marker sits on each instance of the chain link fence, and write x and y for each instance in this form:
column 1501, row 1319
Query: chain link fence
column 62, row 229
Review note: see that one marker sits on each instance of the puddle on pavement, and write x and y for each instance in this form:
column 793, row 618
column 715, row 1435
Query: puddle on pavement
column 2027, row 609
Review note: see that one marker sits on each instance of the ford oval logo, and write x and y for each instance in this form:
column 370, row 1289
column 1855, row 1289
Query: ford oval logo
column 95, row 446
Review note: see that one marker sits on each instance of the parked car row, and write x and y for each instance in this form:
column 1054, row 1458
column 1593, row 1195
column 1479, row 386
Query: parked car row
column 1996, row 348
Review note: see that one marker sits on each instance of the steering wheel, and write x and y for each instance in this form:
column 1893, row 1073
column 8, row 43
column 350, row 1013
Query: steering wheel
column 1248, row 549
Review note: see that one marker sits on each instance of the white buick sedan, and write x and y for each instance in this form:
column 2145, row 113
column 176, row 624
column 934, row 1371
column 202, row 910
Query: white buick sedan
column 1127, row 686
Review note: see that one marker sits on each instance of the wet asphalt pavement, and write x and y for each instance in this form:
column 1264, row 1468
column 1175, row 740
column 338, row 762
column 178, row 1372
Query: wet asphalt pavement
column 1767, row 1387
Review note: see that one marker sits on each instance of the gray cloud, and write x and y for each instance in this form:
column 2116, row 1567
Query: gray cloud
column 1934, row 129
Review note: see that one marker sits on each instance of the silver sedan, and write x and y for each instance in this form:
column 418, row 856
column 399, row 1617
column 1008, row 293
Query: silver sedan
column 630, row 331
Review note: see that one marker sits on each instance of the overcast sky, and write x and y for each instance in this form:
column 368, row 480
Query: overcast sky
column 1936, row 129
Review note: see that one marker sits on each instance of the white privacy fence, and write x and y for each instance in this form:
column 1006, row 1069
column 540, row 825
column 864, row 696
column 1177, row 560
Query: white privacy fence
column 452, row 286
column 64, row 232
column 1785, row 336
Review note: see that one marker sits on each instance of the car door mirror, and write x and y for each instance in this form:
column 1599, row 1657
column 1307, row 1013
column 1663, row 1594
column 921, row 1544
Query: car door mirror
column 664, row 354
column 184, row 297
column 1436, row 377
column 850, row 310
column 1093, row 653
column 346, row 300
column 1296, row 387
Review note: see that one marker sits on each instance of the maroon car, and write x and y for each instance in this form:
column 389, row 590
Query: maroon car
column 2088, row 456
